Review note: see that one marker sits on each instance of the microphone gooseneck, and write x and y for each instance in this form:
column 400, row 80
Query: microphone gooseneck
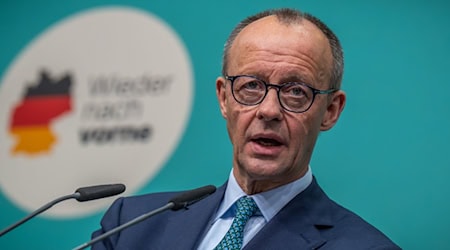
column 181, row 201
column 81, row 194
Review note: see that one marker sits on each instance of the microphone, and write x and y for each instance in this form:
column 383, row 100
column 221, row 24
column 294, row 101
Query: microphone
column 190, row 197
column 100, row 191
column 181, row 201
column 81, row 195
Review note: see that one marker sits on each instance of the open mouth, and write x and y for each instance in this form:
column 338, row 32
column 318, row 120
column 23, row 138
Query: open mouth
column 267, row 142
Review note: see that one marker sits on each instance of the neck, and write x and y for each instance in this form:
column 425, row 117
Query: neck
column 254, row 185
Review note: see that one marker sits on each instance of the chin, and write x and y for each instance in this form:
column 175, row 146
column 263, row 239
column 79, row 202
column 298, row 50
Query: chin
column 262, row 170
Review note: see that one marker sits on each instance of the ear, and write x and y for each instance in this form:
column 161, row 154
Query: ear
column 221, row 95
column 334, row 110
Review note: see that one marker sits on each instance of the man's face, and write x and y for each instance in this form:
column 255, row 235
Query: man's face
column 272, row 146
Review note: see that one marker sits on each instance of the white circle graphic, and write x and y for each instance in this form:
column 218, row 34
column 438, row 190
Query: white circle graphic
column 101, row 97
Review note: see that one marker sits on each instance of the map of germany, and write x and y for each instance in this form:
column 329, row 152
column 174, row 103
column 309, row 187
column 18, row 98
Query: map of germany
column 32, row 118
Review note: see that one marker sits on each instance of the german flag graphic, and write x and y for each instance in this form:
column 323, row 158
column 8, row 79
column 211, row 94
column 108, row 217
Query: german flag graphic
column 32, row 118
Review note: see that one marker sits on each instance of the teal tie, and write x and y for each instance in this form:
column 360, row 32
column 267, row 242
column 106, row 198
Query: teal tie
column 246, row 207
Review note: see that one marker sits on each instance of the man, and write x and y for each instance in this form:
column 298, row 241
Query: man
column 280, row 88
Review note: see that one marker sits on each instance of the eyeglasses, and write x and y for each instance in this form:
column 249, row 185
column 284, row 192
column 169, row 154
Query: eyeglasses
column 295, row 97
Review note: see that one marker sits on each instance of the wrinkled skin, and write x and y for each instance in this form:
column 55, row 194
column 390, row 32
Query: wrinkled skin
column 271, row 146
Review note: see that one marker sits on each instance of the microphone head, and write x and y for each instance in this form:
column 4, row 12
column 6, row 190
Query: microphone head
column 100, row 191
column 189, row 197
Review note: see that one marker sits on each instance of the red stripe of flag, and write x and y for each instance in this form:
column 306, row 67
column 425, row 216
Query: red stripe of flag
column 40, row 110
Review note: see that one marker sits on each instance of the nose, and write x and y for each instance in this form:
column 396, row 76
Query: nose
column 270, row 108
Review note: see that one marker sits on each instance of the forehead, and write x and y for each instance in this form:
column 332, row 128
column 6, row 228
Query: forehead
column 269, row 42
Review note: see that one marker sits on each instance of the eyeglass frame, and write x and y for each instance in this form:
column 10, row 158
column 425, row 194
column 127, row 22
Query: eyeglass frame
column 278, row 87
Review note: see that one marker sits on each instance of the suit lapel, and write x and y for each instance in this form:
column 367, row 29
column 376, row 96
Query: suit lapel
column 189, row 225
column 298, row 224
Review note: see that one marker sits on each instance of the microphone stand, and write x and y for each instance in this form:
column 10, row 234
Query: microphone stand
column 181, row 201
column 123, row 226
column 81, row 194
column 38, row 211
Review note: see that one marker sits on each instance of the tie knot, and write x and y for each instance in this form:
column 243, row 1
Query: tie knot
column 233, row 239
column 246, row 207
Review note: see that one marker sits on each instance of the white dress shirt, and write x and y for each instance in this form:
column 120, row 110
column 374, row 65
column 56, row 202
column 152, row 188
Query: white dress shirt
column 269, row 204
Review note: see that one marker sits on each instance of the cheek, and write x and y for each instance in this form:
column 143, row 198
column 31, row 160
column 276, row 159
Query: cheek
column 311, row 120
column 238, row 122
column 303, row 133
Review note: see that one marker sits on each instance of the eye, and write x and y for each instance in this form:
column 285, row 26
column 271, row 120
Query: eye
column 249, row 84
column 248, row 90
column 252, row 85
column 294, row 89
column 297, row 91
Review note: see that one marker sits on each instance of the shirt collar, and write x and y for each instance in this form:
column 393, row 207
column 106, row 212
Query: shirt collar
column 269, row 202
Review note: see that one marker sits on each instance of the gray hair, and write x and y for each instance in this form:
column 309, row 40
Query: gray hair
column 292, row 16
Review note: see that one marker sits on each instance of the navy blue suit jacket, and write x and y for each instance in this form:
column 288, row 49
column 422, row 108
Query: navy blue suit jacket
column 310, row 221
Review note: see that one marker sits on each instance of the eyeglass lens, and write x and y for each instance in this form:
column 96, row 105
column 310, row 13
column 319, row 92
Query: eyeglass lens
column 295, row 97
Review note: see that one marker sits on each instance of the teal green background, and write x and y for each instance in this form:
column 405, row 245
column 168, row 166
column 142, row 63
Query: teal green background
column 387, row 159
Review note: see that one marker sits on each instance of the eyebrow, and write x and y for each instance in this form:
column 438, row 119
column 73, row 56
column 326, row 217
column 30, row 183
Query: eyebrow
column 290, row 77
column 294, row 78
